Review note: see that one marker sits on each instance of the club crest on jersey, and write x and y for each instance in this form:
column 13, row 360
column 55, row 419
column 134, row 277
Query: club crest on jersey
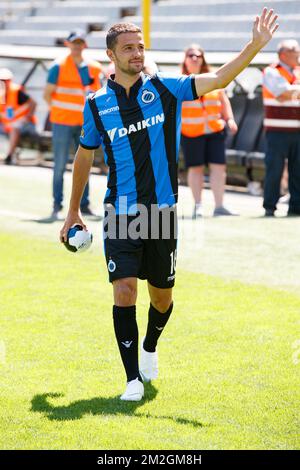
column 147, row 96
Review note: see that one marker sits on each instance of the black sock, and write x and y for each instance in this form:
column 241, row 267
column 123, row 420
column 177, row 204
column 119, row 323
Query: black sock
column 156, row 324
column 126, row 331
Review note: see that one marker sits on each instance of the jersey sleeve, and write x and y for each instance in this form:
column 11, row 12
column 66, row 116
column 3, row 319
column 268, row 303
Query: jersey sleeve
column 53, row 74
column 183, row 87
column 274, row 82
column 90, row 137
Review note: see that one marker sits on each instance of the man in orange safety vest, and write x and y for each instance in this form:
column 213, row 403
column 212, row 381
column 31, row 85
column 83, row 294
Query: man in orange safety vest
column 70, row 79
column 281, row 97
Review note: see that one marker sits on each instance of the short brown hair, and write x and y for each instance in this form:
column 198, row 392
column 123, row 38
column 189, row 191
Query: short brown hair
column 116, row 30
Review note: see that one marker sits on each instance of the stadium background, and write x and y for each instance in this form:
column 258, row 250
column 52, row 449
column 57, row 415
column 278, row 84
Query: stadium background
column 31, row 31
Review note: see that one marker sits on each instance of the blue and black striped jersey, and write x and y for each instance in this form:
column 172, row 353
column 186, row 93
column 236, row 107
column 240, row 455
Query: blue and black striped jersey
column 140, row 136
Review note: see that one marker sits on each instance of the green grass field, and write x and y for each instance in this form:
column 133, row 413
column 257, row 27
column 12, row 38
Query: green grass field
column 228, row 374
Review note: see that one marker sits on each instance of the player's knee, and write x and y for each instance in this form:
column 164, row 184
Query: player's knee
column 161, row 304
column 125, row 294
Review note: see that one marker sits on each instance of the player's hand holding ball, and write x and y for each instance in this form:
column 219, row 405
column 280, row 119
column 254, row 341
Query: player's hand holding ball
column 78, row 239
column 75, row 235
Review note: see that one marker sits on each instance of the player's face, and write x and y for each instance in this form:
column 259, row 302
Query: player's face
column 193, row 60
column 129, row 53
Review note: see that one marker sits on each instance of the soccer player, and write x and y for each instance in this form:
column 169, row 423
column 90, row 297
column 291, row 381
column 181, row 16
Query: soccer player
column 137, row 119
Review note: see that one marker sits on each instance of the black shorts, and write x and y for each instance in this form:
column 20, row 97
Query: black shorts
column 205, row 149
column 151, row 257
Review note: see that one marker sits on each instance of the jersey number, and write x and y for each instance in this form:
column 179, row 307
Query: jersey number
column 173, row 256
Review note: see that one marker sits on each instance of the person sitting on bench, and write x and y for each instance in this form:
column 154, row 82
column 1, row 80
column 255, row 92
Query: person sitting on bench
column 16, row 112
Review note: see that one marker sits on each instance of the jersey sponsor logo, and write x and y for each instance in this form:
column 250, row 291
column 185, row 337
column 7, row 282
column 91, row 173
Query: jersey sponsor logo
column 148, row 96
column 138, row 126
column 108, row 110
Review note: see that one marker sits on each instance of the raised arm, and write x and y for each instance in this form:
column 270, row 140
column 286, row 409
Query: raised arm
column 263, row 29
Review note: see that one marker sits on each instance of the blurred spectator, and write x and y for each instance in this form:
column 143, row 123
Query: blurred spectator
column 203, row 135
column 16, row 112
column 69, row 81
column 281, row 95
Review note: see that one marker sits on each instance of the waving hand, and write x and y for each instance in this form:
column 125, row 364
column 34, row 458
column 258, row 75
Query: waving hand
column 264, row 27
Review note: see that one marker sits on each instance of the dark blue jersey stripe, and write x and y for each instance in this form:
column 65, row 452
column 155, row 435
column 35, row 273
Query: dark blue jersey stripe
column 169, row 105
column 163, row 187
column 130, row 113
column 112, row 178
column 125, row 166
column 194, row 91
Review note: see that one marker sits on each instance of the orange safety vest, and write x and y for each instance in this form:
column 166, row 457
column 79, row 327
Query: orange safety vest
column 11, row 111
column 283, row 116
column 202, row 116
column 67, row 101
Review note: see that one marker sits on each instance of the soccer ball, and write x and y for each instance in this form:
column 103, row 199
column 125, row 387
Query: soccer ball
column 78, row 240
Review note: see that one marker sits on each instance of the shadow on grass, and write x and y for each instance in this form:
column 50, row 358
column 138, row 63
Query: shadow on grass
column 100, row 406
column 45, row 220
column 51, row 219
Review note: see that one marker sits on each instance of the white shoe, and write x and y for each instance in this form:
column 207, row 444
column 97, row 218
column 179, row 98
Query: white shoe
column 285, row 199
column 134, row 391
column 254, row 188
column 148, row 364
